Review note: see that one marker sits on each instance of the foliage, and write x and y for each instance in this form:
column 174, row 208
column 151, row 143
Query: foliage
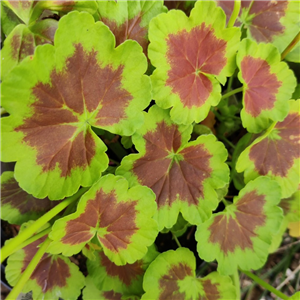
column 130, row 121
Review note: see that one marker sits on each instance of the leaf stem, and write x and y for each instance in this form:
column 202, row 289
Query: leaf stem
column 176, row 240
column 236, row 282
column 13, row 244
column 233, row 92
column 17, row 289
column 235, row 13
column 223, row 138
column 292, row 44
column 265, row 285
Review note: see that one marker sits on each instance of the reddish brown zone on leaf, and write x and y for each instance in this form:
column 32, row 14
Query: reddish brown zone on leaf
column 262, row 85
column 277, row 155
column 22, row 46
column 105, row 212
column 130, row 29
column 210, row 290
column 127, row 273
column 191, row 55
column 168, row 283
column 230, row 232
column 45, row 34
column 111, row 295
column 266, row 23
column 63, row 5
column 13, row 195
column 169, row 178
column 50, row 272
column 52, row 128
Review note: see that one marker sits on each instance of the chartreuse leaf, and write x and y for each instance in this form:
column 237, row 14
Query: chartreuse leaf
column 17, row 206
column 275, row 22
column 191, row 55
column 172, row 276
column 120, row 218
column 276, row 153
column 85, row 81
column 182, row 174
column 54, row 277
column 9, row 20
column 240, row 235
column 268, row 84
column 126, row 280
column 91, row 292
column 22, row 8
column 130, row 19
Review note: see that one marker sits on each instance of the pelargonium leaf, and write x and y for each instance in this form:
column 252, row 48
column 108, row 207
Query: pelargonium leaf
column 9, row 20
column 19, row 44
column 84, row 82
column 276, row 153
column 130, row 19
column 268, row 84
column 127, row 279
column 185, row 6
column 182, row 174
column 91, row 292
column 44, row 31
column 275, row 22
column 22, row 8
column 240, row 235
column 191, row 55
column 120, row 218
column 17, row 206
column 172, row 276
column 55, row 275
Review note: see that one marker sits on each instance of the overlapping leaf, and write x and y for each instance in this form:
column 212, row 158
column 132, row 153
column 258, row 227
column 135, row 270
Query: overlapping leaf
column 84, row 82
column 276, row 153
column 240, row 235
column 191, row 55
column 275, row 22
column 172, row 276
column 126, row 280
column 120, row 218
column 183, row 175
column 55, row 276
column 17, row 206
column 130, row 19
column 268, row 84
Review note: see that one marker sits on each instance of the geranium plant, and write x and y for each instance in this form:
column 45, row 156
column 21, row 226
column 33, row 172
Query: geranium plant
column 133, row 121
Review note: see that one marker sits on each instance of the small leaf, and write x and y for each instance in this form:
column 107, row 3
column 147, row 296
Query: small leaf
column 291, row 207
column 22, row 8
column 126, row 279
column 9, row 20
column 84, row 82
column 44, row 31
column 191, row 55
column 276, row 153
column 240, row 235
column 55, row 276
column 17, row 206
column 268, row 84
column 182, row 174
column 129, row 19
column 121, row 220
column 275, row 22
column 172, row 276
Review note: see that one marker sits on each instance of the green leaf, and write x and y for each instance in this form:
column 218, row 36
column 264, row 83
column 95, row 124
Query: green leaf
column 129, row 19
column 268, row 84
column 240, row 235
column 172, row 276
column 44, row 31
column 191, row 55
column 126, row 279
column 9, row 20
column 55, row 276
column 120, row 218
column 17, row 206
column 182, row 174
column 276, row 153
column 290, row 206
column 85, row 81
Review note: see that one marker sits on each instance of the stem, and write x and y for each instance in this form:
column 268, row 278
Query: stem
column 236, row 282
column 17, row 289
column 289, row 48
column 265, row 285
column 14, row 243
column 176, row 240
column 223, row 138
column 235, row 13
column 238, row 90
